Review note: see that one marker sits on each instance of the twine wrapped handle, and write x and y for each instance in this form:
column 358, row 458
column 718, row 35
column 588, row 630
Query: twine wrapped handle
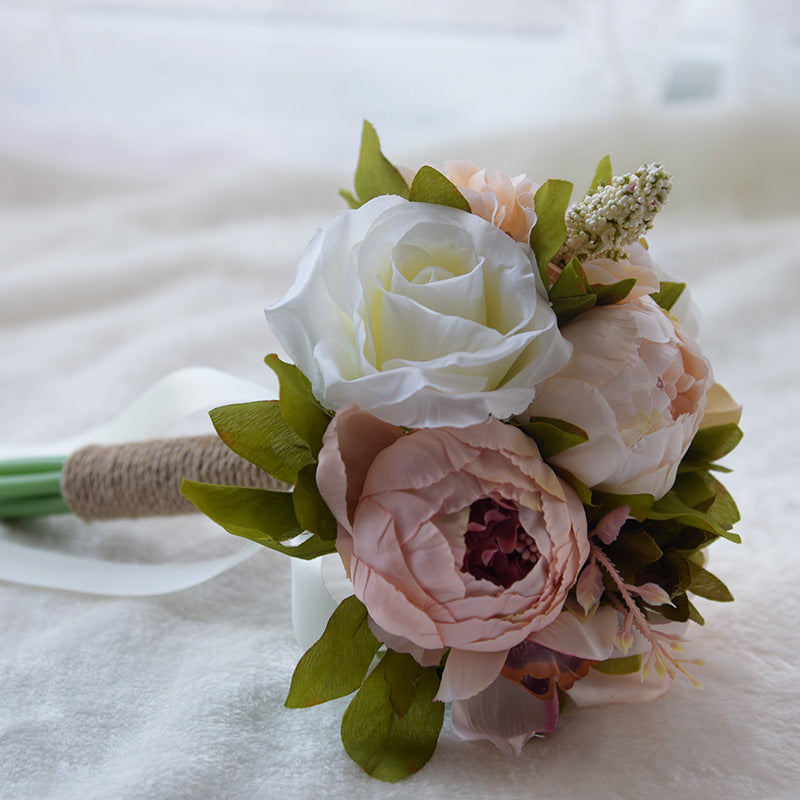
column 143, row 479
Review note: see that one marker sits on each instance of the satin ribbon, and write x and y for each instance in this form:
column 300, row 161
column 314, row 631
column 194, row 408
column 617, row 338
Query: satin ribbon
column 151, row 415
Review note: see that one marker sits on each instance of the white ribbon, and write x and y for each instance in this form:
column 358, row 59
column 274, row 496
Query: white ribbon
column 151, row 415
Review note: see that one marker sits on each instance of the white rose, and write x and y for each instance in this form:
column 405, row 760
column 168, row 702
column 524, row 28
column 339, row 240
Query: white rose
column 637, row 385
column 421, row 314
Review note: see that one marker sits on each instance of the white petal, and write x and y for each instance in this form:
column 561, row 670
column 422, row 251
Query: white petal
column 598, row 689
column 592, row 638
column 504, row 714
column 466, row 673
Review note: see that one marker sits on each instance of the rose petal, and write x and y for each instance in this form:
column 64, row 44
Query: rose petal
column 504, row 714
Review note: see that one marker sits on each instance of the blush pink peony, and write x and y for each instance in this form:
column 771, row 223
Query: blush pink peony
column 457, row 538
column 637, row 385
column 505, row 202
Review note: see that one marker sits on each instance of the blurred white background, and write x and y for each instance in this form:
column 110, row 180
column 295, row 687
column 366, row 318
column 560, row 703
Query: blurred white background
column 172, row 84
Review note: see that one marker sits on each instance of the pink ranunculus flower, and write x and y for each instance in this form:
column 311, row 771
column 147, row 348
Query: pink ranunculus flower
column 637, row 385
column 458, row 538
column 505, row 202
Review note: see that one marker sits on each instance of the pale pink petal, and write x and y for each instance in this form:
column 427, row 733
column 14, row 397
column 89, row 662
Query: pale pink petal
column 598, row 689
column 592, row 638
column 504, row 714
column 609, row 526
column 342, row 469
column 466, row 673
column 423, row 657
column 653, row 594
column 589, row 588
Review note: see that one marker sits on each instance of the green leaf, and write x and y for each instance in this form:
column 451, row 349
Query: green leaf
column 571, row 282
column 711, row 444
column 603, row 175
column 310, row 509
column 671, row 507
column 639, row 504
column 256, row 514
column 707, row 585
column 668, row 294
column 375, row 174
column 258, row 433
column 640, row 543
column 554, row 435
column 402, row 674
column 301, row 410
column 723, row 510
column 388, row 745
column 309, row 549
column 337, row 663
column 430, row 186
column 681, row 611
column 550, row 231
column 626, row 665
column 613, row 292
column 568, row 308
column 694, row 614
column 349, row 198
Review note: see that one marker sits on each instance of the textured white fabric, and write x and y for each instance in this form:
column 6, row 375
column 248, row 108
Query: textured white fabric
column 109, row 283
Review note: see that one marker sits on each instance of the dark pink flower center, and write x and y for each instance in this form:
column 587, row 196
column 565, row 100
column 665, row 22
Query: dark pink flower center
column 498, row 547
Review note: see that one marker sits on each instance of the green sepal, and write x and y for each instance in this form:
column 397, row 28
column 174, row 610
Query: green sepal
column 301, row 410
column 571, row 282
column 550, row 231
column 611, row 293
column 571, row 294
column 310, row 509
column 375, row 174
column 430, row 186
column 258, row 514
column 705, row 584
column 337, row 663
column 626, row 665
column 259, row 433
column 553, row 436
column 668, row 294
column 568, row 308
column 386, row 744
column 711, row 444
column 603, row 175
column 576, row 484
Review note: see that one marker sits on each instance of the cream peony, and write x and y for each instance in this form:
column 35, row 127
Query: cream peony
column 637, row 385
column 505, row 202
column 422, row 314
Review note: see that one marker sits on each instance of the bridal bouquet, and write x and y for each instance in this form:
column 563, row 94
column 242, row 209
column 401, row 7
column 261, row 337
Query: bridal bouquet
column 499, row 418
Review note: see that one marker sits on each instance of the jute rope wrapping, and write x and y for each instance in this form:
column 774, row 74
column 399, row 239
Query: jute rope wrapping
column 143, row 479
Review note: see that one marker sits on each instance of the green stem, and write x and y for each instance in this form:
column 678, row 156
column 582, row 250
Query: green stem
column 24, row 466
column 34, row 484
column 32, row 507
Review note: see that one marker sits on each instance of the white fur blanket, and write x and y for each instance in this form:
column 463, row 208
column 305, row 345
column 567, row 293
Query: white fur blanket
column 109, row 282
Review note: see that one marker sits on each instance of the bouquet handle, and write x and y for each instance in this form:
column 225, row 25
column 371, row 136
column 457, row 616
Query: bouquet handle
column 143, row 479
